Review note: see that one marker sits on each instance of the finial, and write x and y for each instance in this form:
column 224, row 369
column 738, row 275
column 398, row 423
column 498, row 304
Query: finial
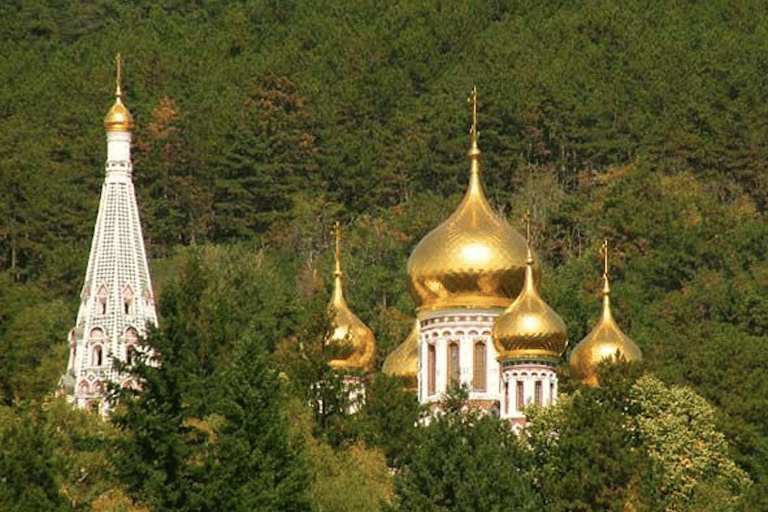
column 119, row 78
column 604, row 253
column 527, row 222
column 473, row 131
column 337, row 233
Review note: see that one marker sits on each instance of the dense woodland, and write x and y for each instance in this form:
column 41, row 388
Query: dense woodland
column 261, row 122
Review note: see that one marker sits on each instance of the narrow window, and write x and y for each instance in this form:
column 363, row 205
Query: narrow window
column 506, row 397
column 537, row 391
column 520, row 402
column 431, row 361
column 479, row 369
column 128, row 300
column 96, row 356
column 101, row 301
column 551, row 392
column 453, row 364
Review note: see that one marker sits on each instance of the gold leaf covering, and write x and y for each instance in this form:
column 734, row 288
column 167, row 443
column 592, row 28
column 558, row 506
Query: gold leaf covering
column 603, row 342
column 403, row 362
column 118, row 118
column 352, row 343
column 474, row 258
column 529, row 328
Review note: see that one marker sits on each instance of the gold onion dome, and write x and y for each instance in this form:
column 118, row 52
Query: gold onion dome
column 351, row 342
column 474, row 258
column 403, row 362
column 529, row 328
column 118, row 118
column 603, row 342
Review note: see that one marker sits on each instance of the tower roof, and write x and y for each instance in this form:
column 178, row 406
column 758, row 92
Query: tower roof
column 118, row 118
column 605, row 340
column 529, row 328
column 474, row 258
column 403, row 362
column 351, row 341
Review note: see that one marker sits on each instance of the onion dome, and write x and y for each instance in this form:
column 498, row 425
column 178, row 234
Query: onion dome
column 474, row 258
column 351, row 342
column 529, row 328
column 403, row 362
column 603, row 342
column 118, row 118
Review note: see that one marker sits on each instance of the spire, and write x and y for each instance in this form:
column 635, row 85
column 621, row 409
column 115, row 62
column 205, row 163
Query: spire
column 530, row 285
column 117, row 301
column 475, row 187
column 119, row 77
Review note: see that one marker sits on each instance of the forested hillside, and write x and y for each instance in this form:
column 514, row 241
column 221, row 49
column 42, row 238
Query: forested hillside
column 260, row 122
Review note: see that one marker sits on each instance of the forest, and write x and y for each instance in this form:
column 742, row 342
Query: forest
column 260, row 123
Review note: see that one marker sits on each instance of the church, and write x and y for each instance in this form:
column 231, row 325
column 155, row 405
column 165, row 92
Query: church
column 475, row 281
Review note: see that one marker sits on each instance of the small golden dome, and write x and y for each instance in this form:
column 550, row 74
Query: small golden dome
column 529, row 328
column 603, row 342
column 352, row 343
column 474, row 258
column 118, row 118
column 403, row 362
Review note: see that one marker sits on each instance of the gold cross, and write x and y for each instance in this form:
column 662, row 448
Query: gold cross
column 119, row 79
column 604, row 253
column 337, row 233
column 473, row 99
column 527, row 221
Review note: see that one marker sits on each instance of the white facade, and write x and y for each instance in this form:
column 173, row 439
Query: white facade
column 456, row 346
column 117, row 301
column 525, row 384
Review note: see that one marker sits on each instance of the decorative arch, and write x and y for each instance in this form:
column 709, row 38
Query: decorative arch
column 101, row 300
column 83, row 388
column 131, row 345
column 129, row 299
column 97, row 356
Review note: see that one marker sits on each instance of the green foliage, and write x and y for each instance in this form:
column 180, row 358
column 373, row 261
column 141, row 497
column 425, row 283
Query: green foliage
column 464, row 461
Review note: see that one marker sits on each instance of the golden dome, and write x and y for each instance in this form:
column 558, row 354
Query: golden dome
column 351, row 341
column 403, row 362
column 529, row 328
column 603, row 342
column 474, row 258
column 118, row 118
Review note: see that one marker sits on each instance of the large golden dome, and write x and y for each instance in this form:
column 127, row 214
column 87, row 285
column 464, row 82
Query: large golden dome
column 118, row 118
column 602, row 343
column 473, row 259
column 403, row 362
column 351, row 342
column 529, row 328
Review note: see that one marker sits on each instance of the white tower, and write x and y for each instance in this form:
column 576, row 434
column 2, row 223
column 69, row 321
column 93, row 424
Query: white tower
column 117, row 300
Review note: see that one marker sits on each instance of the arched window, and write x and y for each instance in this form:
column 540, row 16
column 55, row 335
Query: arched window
column 83, row 388
column 101, row 301
column 131, row 342
column 551, row 392
column 96, row 360
column 479, row 367
column 538, row 393
column 520, row 398
column 453, row 364
column 506, row 397
column 128, row 299
column 431, row 363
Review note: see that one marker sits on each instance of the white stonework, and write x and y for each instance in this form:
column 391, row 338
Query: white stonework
column 117, row 301
column 526, row 383
column 466, row 332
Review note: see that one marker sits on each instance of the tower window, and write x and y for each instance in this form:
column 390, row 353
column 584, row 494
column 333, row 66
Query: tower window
column 128, row 298
column 431, row 362
column 479, row 367
column 101, row 301
column 453, row 364
column 97, row 356
column 506, row 397
column 551, row 392
column 520, row 398
column 537, row 392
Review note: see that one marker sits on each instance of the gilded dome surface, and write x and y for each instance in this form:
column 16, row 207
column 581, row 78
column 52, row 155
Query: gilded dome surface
column 473, row 259
column 602, row 343
column 529, row 328
column 403, row 362
column 351, row 342
column 118, row 118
